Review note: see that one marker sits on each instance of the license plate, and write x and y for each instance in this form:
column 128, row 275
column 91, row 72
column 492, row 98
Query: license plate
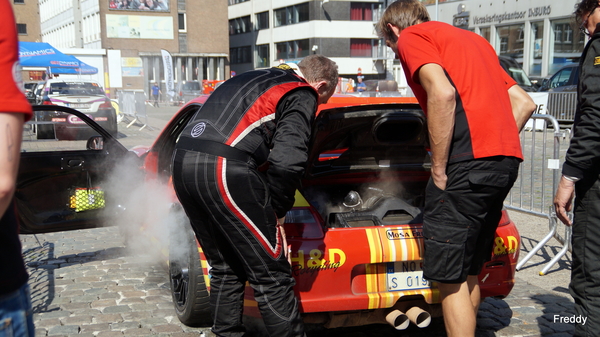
column 405, row 275
column 79, row 106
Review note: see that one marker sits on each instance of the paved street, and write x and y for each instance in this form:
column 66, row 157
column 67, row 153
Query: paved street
column 106, row 282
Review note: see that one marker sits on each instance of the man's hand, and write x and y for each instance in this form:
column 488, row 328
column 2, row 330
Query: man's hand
column 563, row 200
column 284, row 245
column 439, row 177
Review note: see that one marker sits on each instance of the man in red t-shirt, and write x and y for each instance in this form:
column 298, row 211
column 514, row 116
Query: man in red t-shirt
column 15, row 301
column 474, row 113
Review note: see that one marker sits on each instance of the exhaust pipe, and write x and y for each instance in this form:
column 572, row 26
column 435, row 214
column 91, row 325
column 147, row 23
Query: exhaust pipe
column 397, row 319
column 419, row 317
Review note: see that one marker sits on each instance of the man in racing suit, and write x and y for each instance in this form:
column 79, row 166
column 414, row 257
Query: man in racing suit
column 581, row 177
column 236, row 168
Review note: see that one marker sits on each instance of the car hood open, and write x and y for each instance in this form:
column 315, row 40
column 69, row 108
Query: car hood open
column 368, row 138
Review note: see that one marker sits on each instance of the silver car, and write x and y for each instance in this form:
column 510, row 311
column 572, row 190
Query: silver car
column 86, row 96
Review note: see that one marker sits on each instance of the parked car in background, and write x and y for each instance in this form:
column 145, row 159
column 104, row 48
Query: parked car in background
column 189, row 90
column 35, row 94
column 29, row 88
column 564, row 80
column 86, row 96
column 513, row 68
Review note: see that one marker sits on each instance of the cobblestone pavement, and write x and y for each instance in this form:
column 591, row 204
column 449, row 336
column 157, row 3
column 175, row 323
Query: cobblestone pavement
column 90, row 283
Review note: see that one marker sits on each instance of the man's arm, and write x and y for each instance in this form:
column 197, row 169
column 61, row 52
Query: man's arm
column 11, row 130
column 522, row 105
column 441, row 106
column 288, row 156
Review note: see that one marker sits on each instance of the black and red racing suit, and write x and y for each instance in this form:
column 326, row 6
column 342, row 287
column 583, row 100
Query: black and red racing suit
column 256, row 119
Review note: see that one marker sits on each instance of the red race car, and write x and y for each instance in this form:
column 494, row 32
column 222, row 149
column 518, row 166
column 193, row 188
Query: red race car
column 355, row 230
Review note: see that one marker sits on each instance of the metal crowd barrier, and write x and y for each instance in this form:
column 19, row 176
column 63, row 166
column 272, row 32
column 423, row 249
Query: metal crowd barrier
column 132, row 104
column 534, row 190
column 562, row 106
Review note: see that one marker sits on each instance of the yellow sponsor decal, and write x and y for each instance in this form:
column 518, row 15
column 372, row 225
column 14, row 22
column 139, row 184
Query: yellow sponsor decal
column 509, row 247
column 300, row 201
column 316, row 261
column 596, row 60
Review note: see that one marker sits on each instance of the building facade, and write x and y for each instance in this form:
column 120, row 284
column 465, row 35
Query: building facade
column 27, row 16
column 127, row 37
column 539, row 34
column 264, row 33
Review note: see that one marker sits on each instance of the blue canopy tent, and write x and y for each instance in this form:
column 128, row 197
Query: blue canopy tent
column 41, row 54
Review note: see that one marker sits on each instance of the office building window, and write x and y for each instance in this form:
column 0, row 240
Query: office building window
column 290, row 15
column 181, row 22
column 566, row 44
column 19, row 1
column 363, row 47
column 22, row 28
column 536, row 48
column 485, row 33
column 292, row 49
column 239, row 25
column 363, row 11
column 240, row 55
column 511, row 40
column 262, row 56
column 262, row 20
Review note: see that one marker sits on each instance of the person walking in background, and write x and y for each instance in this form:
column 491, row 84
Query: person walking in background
column 581, row 178
column 473, row 165
column 236, row 168
column 156, row 94
column 16, row 316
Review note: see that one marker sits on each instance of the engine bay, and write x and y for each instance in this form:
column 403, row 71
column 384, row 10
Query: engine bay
column 369, row 204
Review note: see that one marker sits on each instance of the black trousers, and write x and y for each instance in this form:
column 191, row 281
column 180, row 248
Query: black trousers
column 585, row 269
column 228, row 204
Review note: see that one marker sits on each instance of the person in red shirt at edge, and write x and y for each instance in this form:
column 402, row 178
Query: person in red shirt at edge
column 474, row 113
column 16, row 317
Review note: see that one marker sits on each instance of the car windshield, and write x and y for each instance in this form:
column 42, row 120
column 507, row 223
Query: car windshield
column 519, row 76
column 75, row 88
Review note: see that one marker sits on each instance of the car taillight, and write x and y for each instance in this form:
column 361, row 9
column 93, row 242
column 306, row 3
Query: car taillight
column 106, row 105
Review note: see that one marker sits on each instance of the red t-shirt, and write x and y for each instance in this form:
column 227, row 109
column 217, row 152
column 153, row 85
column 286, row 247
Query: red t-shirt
column 12, row 96
column 484, row 125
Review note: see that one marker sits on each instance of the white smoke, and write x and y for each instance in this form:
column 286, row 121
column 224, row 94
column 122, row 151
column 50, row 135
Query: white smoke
column 143, row 210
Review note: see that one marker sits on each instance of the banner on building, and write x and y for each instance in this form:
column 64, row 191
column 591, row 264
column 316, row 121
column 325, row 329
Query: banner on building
column 139, row 27
column 169, row 79
column 139, row 5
